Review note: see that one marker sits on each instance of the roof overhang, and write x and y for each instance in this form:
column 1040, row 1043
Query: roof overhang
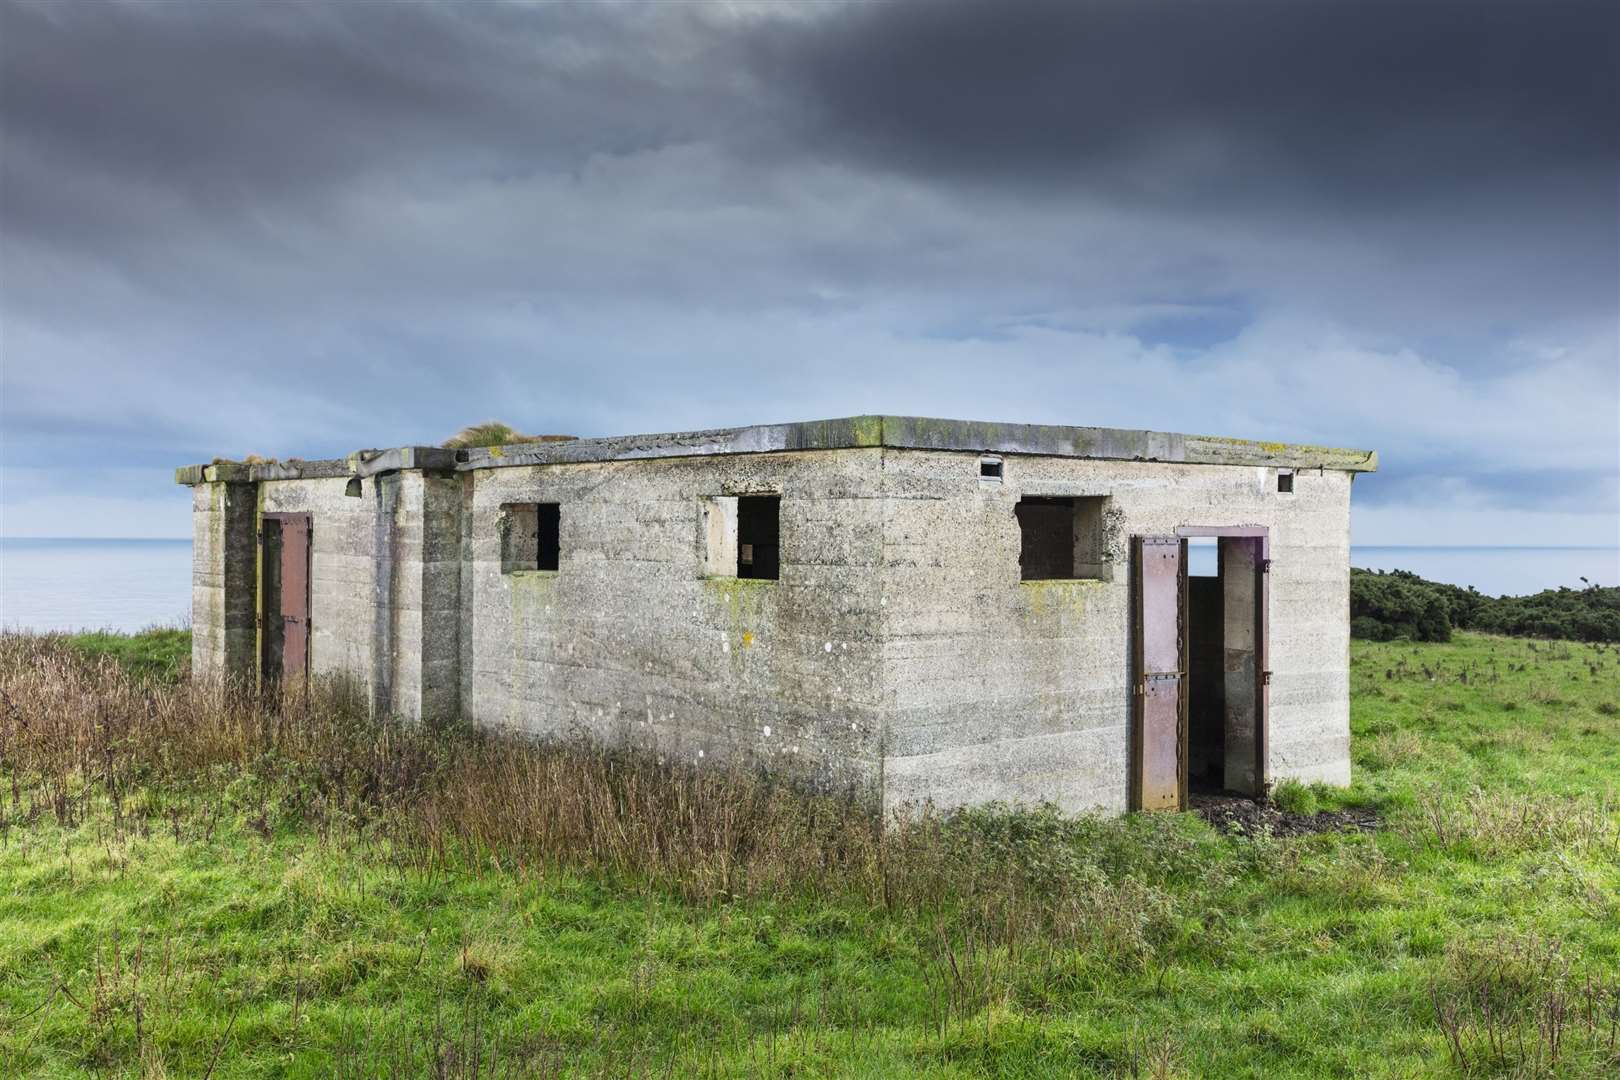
column 895, row 432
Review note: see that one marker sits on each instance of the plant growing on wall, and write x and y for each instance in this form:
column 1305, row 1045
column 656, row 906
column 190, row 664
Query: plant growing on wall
column 495, row 433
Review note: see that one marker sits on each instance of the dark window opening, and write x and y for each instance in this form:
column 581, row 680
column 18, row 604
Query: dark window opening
column 1285, row 482
column 759, row 536
column 531, row 536
column 550, row 538
column 352, row 487
column 990, row 468
column 1047, row 551
column 1062, row 538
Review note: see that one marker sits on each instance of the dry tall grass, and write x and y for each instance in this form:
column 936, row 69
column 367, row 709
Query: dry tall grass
column 79, row 735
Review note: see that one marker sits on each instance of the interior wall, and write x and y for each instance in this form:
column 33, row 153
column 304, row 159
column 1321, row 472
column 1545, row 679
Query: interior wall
column 1240, row 563
column 1206, row 682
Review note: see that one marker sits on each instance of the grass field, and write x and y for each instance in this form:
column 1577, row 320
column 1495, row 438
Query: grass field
column 161, row 653
column 190, row 888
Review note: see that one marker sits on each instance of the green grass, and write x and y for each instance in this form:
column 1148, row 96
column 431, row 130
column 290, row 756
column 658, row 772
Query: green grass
column 159, row 653
column 217, row 927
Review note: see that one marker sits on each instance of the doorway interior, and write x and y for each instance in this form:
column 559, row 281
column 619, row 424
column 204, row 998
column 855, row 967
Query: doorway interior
column 1226, row 677
column 1199, row 718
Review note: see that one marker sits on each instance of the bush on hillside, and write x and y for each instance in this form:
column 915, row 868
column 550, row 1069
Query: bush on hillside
column 1397, row 605
column 1385, row 606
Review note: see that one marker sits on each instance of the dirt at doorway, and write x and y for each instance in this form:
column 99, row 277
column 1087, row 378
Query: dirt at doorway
column 1236, row 814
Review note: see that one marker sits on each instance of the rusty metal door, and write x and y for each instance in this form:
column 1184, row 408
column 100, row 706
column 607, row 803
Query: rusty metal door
column 295, row 536
column 1159, row 673
column 285, row 613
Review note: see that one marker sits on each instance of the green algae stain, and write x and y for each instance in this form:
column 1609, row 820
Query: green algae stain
column 1059, row 598
column 867, row 430
column 531, row 592
column 746, row 605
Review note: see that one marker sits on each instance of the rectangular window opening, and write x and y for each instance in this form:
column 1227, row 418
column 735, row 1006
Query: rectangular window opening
column 759, row 536
column 531, row 536
column 1062, row 538
column 990, row 468
column 1285, row 481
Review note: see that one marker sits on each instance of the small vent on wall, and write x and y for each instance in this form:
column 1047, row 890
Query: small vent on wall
column 1285, row 481
column 990, row 469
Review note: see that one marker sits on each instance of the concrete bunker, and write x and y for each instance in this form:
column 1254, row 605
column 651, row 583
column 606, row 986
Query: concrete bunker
column 918, row 610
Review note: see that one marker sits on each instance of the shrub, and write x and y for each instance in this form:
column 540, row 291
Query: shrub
column 1385, row 606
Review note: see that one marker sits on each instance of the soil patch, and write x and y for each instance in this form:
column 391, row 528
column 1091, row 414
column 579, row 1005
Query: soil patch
column 1238, row 814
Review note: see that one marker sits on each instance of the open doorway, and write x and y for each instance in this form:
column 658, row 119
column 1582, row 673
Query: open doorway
column 1225, row 660
column 1199, row 654
column 1206, row 668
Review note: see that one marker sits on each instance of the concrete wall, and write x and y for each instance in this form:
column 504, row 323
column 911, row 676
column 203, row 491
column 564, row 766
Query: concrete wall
column 342, row 612
column 385, row 585
column 630, row 639
column 224, row 633
column 1003, row 689
column 899, row 651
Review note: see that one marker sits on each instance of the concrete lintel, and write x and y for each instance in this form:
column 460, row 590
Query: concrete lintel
column 896, row 432
column 847, row 433
column 360, row 463
column 300, row 470
column 403, row 458
column 922, row 433
column 1215, row 450
column 219, row 472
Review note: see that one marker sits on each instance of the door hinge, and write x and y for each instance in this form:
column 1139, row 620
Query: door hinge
column 1265, row 678
column 1265, row 566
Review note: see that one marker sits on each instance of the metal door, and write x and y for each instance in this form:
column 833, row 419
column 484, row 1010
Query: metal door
column 1159, row 673
column 285, row 599
column 295, row 530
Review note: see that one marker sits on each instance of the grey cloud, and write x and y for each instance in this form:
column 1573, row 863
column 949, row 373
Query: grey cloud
column 221, row 110
column 1370, row 104
column 1470, row 150
column 290, row 229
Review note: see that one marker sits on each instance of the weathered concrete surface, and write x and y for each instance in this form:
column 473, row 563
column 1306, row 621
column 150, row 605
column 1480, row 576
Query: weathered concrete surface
column 385, row 585
column 342, row 544
column 853, row 432
column 899, row 652
column 636, row 639
column 1001, row 689
column 224, row 552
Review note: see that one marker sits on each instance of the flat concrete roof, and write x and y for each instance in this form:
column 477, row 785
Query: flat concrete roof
column 896, row 432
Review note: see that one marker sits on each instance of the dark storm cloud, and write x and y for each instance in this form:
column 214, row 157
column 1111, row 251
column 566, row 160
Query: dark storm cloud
column 228, row 107
column 1476, row 127
column 1368, row 104
column 289, row 228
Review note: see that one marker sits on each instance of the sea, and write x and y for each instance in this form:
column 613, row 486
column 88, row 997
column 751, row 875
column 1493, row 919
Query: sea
column 128, row 585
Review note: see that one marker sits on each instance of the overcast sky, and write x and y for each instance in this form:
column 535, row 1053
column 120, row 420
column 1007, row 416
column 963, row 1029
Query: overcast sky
column 297, row 230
